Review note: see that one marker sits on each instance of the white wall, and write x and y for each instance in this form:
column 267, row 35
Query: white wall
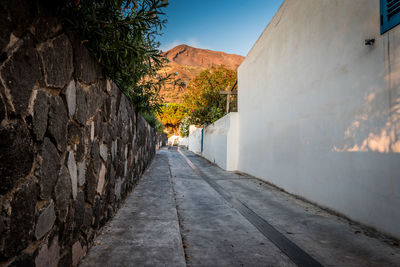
column 221, row 142
column 195, row 139
column 184, row 141
column 178, row 140
column 319, row 111
column 173, row 140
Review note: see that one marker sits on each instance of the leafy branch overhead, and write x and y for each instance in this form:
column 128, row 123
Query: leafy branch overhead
column 120, row 35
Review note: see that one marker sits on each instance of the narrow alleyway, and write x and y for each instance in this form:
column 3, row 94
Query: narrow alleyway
column 186, row 211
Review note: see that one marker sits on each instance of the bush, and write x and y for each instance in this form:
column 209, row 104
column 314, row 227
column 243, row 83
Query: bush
column 151, row 118
column 120, row 35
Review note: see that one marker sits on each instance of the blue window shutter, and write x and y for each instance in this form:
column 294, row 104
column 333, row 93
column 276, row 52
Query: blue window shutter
column 390, row 14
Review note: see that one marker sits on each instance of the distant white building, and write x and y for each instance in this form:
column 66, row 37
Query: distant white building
column 319, row 107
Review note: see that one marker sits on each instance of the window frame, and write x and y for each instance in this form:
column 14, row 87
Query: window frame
column 386, row 24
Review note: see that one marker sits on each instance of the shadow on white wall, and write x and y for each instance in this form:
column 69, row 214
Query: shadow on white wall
column 376, row 128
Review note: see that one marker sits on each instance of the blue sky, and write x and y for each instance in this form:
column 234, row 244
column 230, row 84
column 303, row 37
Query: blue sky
column 231, row 26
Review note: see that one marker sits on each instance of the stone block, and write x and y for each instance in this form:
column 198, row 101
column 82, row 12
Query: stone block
column 114, row 92
column 67, row 229
column 49, row 169
column 99, row 126
column 91, row 183
column 57, row 60
column 113, row 149
column 65, row 259
column 23, row 63
column 113, row 110
column 111, row 174
column 108, row 85
column 58, row 121
column 95, row 153
column 101, row 181
column 87, row 219
column 45, row 27
column 74, row 133
column 22, row 219
column 125, row 168
column 40, row 115
column 119, row 168
column 93, row 98
column 80, row 149
column 2, row 109
column 73, row 172
column 92, row 131
column 81, row 105
column 45, row 221
column 123, row 112
column 104, row 152
column 70, row 96
column 106, row 108
column 76, row 139
column 77, row 253
column 62, row 192
column 82, row 173
column 16, row 154
column 86, row 69
column 118, row 187
column 106, row 134
column 48, row 256
column 97, row 212
column 79, row 210
column 3, row 226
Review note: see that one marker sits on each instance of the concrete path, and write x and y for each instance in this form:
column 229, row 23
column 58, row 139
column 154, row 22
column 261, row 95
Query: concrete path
column 145, row 231
column 186, row 211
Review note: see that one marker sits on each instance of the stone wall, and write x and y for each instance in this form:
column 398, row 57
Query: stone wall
column 71, row 145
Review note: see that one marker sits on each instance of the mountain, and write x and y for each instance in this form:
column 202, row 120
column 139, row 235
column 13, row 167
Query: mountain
column 191, row 56
column 187, row 62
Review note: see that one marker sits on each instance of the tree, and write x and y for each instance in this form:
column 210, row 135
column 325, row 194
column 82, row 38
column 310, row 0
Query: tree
column 171, row 116
column 203, row 98
column 152, row 119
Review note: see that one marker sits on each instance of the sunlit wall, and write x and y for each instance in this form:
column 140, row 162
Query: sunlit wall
column 323, row 109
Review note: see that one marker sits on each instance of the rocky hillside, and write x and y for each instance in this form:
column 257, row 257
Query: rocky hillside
column 191, row 56
column 187, row 62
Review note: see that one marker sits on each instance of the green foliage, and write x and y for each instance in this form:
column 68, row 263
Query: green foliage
column 184, row 127
column 171, row 116
column 203, row 98
column 151, row 118
column 120, row 35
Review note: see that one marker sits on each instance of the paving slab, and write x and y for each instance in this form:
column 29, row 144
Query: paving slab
column 186, row 211
column 145, row 231
column 215, row 233
column 332, row 240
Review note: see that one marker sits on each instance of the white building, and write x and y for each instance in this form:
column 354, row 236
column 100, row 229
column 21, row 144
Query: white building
column 321, row 102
